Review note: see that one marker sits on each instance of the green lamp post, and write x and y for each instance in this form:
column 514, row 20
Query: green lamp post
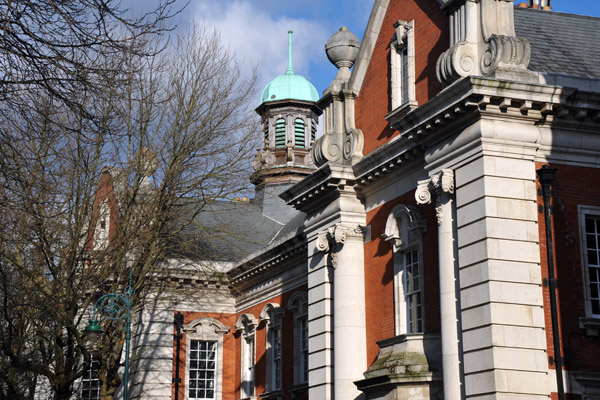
column 115, row 307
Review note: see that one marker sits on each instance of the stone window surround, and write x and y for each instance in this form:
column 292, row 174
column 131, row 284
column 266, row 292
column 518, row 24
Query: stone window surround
column 101, row 234
column 246, row 325
column 404, row 228
column 272, row 316
column 404, row 40
column 590, row 322
column 206, row 329
column 298, row 304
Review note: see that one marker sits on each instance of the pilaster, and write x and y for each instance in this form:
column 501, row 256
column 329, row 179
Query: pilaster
column 441, row 185
column 500, row 280
column 336, row 294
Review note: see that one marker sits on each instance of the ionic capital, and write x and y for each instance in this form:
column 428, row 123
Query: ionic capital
column 441, row 185
column 332, row 239
column 438, row 184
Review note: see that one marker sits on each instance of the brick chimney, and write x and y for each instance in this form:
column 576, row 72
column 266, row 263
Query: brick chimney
column 537, row 4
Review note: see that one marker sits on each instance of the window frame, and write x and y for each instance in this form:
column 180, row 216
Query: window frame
column 402, row 67
column 404, row 230
column 411, row 310
column 583, row 213
column 247, row 325
column 85, row 380
column 209, row 330
column 272, row 316
column 298, row 304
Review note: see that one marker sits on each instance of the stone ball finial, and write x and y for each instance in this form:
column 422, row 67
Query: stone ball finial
column 342, row 48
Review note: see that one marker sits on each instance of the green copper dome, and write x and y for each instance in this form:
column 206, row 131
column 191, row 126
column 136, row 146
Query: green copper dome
column 289, row 86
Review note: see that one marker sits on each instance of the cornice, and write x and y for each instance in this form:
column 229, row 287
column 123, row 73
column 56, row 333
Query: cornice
column 320, row 188
column 289, row 103
column 457, row 107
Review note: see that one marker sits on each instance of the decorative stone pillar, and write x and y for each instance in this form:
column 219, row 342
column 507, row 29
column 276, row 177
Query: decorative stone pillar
column 344, row 243
column 442, row 186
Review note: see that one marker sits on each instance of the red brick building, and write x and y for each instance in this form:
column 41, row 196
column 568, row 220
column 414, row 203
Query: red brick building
column 411, row 260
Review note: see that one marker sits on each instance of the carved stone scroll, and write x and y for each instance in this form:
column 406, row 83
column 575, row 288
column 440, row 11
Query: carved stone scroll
column 332, row 240
column 440, row 185
column 485, row 43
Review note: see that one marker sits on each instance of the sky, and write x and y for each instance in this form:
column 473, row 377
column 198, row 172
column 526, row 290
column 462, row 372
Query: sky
column 256, row 30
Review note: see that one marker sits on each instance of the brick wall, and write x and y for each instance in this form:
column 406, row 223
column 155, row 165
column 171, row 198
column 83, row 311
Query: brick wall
column 431, row 39
column 573, row 186
column 231, row 379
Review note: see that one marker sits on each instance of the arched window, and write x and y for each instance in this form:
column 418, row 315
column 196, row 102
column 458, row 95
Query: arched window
column 300, row 133
column 403, row 231
column 280, row 132
column 272, row 314
column 298, row 304
column 313, row 131
column 246, row 325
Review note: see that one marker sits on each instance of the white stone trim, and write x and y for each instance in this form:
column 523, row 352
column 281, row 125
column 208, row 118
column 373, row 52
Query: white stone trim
column 208, row 329
column 405, row 42
column 272, row 315
column 246, row 325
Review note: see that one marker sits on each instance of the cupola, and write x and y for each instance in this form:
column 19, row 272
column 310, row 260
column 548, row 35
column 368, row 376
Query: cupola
column 289, row 116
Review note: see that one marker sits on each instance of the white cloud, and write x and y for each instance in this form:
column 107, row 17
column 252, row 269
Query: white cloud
column 258, row 37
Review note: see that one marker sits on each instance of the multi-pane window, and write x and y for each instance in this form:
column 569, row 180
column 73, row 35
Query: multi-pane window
column 412, row 292
column 275, row 334
column 403, row 231
column 592, row 248
column 298, row 304
column 303, row 330
column 90, row 382
column 248, row 367
column 202, row 369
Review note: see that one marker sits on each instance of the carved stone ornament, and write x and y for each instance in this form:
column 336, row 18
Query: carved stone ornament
column 341, row 143
column 440, row 184
column 332, row 240
column 404, row 227
column 484, row 43
column 246, row 324
column 205, row 326
column 401, row 29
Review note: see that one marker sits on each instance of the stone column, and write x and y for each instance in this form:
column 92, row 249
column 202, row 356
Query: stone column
column 345, row 246
column 442, row 186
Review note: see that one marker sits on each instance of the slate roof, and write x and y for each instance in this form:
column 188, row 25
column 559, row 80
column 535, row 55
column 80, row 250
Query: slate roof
column 564, row 44
column 230, row 231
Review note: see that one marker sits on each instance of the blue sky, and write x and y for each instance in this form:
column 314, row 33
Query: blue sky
column 257, row 29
